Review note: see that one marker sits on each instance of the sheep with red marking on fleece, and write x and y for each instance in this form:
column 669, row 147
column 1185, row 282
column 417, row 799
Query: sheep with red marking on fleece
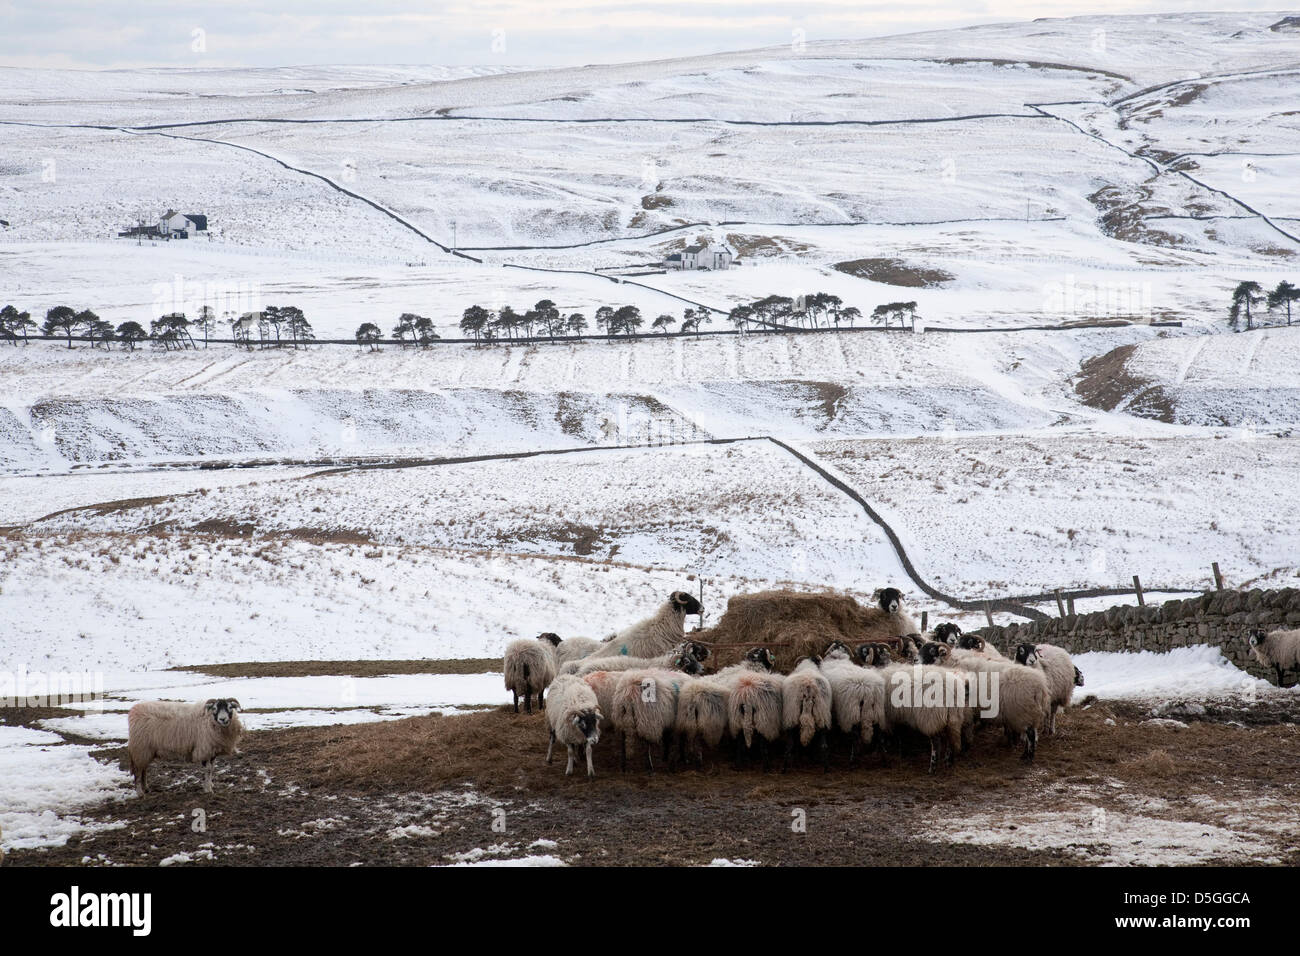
column 1279, row 650
column 755, row 705
column 177, row 730
column 645, row 709
column 529, row 667
column 574, row 720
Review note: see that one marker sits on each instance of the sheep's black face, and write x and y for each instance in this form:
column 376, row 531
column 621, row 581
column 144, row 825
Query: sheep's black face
column 934, row 652
column 890, row 600
column 548, row 636
column 1026, row 654
column 698, row 651
column 969, row 642
column 223, row 710
column 1078, row 677
column 948, row 634
column 687, row 603
column 762, row 657
column 687, row 664
column 588, row 724
column 1257, row 637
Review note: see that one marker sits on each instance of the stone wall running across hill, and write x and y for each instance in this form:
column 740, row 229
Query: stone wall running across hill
column 1221, row 618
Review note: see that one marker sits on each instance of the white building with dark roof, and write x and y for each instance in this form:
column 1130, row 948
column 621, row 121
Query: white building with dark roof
column 702, row 256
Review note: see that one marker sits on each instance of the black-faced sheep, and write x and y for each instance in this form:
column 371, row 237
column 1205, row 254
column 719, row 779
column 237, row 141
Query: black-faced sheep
column 857, row 696
column 1021, row 699
column 1279, row 650
column 574, row 720
column 948, row 633
column 657, row 634
column 174, row 730
column 1058, row 668
column 529, row 667
column 698, row 653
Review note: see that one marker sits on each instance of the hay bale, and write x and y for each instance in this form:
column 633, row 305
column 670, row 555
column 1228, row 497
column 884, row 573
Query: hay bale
column 792, row 624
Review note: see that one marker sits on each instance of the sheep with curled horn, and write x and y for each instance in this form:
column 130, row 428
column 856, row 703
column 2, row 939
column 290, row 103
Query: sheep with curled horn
column 176, row 730
column 655, row 635
column 698, row 652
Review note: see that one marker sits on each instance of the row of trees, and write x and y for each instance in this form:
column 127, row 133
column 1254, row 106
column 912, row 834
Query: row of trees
column 171, row 331
column 1249, row 295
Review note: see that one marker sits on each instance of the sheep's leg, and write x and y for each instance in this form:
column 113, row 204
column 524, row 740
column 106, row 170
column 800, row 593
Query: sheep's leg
column 763, row 753
column 1278, row 668
column 1031, row 743
column 591, row 770
column 825, row 749
column 142, row 781
column 649, row 756
column 528, row 702
column 550, row 749
column 516, row 695
column 853, row 747
column 789, row 750
column 568, row 767
column 666, row 741
column 934, row 754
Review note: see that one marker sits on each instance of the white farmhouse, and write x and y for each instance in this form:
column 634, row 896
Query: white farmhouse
column 175, row 225
column 702, row 256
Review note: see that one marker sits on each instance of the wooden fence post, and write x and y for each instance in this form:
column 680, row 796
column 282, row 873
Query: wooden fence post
column 988, row 613
column 1137, row 586
column 1218, row 578
column 1069, row 603
column 925, row 621
column 1060, row 605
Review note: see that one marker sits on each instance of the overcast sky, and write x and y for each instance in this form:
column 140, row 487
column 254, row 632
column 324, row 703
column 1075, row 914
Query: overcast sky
column 97, row 34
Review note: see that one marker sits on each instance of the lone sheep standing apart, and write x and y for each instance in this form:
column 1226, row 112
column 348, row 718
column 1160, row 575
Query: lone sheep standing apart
column 176, row 730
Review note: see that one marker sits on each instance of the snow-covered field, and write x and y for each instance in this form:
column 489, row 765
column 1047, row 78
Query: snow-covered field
column 1133, row 168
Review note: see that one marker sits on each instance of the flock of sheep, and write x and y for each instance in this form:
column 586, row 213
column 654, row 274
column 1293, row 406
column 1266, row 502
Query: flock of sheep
column 788, row 666
column 874, row 682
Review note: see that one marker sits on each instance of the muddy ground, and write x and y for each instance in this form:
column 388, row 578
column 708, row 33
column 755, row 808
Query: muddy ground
column 1110, row 788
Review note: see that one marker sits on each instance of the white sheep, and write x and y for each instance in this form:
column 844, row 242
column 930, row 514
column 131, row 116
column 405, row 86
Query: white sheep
column 657, row 634
column 932, row 700
column 857, row 696
column 1277, row 649
column 674, row 658
column 574, row 719
column 1022, row 701
column 1058, row 668
column 177, row 730
column 702, row 715
column 573, row 649
column 754, row 705
column 645, row 708
column 806, row 708
column 977, row 645
column 528, row 668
